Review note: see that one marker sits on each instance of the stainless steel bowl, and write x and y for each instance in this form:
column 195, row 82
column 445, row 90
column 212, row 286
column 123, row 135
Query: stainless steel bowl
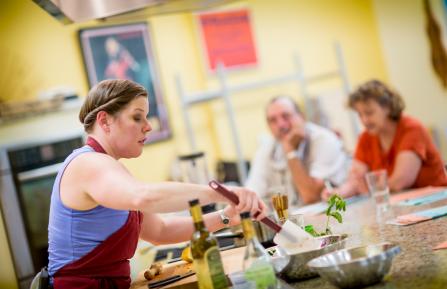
column 296, row 268
column 356, row 267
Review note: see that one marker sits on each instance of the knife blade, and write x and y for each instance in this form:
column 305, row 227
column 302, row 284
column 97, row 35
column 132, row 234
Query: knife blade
column 169, row 280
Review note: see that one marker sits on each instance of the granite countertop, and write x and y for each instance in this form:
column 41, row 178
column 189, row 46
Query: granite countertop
column 417, row 266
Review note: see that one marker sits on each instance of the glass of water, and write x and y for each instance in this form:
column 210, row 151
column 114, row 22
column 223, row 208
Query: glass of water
column 297, row 219
column 377, row 182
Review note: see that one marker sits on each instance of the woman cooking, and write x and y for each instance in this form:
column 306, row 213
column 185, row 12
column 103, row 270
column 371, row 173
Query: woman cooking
column 99, row 210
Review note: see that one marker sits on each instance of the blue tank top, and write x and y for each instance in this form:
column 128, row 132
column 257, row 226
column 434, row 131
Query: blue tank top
column 72, row 233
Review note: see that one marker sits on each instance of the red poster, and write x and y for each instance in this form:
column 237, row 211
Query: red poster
column 228, row 38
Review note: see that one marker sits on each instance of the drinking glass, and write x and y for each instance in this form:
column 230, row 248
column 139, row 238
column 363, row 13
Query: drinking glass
column 377, row 182
column 297, row 219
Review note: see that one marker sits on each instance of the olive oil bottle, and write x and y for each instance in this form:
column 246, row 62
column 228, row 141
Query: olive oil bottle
column 257, row 264
column 205, row 253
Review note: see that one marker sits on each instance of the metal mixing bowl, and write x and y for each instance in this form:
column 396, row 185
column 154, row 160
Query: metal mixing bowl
column 356, row 267
column 296, row 267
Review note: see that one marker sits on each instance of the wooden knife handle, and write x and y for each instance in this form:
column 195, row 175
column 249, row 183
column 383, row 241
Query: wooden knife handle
column 233, row 197
column 224, row 191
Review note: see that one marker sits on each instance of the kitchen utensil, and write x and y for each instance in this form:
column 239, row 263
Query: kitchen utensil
column 286, row 235
column 169, row 280
column 280, row 203
column 297, row 269
column 264, row 233
column 356, row 267
column 193, row 168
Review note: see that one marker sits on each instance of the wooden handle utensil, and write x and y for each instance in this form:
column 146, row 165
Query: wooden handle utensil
column 233, row 197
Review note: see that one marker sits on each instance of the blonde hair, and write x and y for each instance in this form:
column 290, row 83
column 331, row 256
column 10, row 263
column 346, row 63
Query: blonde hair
column 110, row 96
column 380, row 93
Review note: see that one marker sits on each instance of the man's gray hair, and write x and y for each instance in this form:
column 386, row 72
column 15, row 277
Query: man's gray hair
column 289, row 99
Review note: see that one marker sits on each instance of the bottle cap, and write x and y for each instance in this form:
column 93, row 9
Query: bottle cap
column 245, row 215
column 194, row 202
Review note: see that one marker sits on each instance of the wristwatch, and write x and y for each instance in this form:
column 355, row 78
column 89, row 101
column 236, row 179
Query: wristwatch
column 224, row 218
column 292, row 155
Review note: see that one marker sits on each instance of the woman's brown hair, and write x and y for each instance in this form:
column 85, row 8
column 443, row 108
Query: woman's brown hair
column 110, row 96
column 380, row 93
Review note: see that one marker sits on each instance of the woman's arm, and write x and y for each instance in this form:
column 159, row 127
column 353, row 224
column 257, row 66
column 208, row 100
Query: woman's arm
column 405, row 172
column 354, row 185
column 158, row 230
column 107, row 182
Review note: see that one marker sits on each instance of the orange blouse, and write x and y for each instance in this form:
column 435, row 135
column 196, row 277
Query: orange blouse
column 410, row 135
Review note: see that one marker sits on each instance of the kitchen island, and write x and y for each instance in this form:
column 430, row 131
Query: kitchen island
column 417, row 266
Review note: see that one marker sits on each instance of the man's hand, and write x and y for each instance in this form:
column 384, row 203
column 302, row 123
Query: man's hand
column 292, row 138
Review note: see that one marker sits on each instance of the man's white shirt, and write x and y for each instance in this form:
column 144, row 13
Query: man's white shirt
column 321, row 153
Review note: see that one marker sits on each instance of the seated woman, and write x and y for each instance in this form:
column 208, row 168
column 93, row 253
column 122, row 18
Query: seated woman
column 392, row 141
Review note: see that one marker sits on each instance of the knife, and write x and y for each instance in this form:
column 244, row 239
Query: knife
column 233, row 197
column 285, row 234
column 169, row 280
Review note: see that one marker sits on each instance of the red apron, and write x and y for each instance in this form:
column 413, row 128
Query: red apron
column 106, row 266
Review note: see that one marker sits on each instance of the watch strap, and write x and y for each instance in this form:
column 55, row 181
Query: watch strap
column 224, row 218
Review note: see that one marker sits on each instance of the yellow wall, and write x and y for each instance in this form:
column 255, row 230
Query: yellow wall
column 39, row 53
column 50, row 53
column 7, row 276
column 309, row 28
column 407, row 54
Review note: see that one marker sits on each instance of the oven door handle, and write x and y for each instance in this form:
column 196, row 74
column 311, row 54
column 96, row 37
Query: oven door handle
column 39, row 173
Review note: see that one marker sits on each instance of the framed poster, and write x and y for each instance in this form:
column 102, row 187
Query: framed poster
column 124, row 52
column 227, row 38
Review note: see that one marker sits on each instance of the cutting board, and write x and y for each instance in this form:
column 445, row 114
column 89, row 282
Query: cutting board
column 231, row 259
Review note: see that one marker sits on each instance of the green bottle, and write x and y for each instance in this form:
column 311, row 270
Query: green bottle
column 257, row 264
column 205, row 253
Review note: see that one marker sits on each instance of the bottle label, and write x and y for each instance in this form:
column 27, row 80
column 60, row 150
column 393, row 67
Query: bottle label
column 218, row 278
column 249, row 230
column 210, row 271
column 262, row 273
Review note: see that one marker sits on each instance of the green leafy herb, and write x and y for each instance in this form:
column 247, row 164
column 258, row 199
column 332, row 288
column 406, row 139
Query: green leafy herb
column 310, row 229
column 336, row 205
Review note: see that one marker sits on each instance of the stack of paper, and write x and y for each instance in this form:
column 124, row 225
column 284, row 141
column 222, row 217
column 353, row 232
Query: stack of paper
column 420, row 216
column 414, row 194
column 440, row 246
column 423, row 200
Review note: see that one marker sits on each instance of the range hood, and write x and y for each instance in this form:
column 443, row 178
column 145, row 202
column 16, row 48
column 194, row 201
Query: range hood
column 70, row 11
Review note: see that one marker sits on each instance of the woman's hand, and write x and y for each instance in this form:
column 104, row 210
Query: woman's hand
column 249, row 201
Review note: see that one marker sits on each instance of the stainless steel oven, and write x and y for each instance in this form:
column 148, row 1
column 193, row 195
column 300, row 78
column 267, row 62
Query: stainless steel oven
column 27, row 174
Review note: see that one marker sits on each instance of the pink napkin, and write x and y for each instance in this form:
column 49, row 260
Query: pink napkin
column 440, row 246
column 419, row 216
column 416, row 193
column 411, row 219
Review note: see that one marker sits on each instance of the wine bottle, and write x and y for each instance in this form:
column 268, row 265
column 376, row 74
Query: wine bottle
column 257, row 264
column 205, row 253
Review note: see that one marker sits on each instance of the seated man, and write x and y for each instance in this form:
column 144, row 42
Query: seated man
column 299, row 159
